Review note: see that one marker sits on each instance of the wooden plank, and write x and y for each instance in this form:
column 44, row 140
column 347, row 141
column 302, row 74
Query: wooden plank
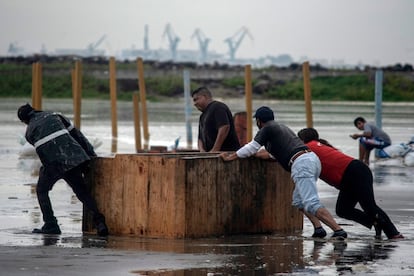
column 115, row 197
column 134, row 169
column 201, row 183
column 99, row 184
column 140, row 177
column 161, row 198
column 179, row 221
column 227, row 179
column 287, row 217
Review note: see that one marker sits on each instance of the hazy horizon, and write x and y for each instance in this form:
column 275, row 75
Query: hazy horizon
column 373, row 32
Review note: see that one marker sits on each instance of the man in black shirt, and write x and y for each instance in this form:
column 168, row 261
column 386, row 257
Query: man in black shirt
column 294, row 156
column 216, row 130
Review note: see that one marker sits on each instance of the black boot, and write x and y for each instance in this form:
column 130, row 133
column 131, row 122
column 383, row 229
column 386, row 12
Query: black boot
column 48, row 228
column 378, row 230
column 101, row 228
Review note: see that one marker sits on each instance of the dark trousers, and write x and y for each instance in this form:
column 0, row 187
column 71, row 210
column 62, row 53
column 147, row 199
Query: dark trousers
column 357, row 187
column 49, row 176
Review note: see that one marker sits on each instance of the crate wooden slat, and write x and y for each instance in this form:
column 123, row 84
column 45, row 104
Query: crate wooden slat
column 190, row 195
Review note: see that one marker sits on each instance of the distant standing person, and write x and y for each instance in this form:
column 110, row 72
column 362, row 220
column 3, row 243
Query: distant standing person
column 371, row 137
column 294, row 156
column 354, row 181
column 216, row 130
column 64, row 152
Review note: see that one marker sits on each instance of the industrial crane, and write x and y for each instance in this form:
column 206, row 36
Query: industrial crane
column 92, row 46
column 173, row 40
column 146, row 44
column 203, row 42
column 235, row 40
column 15, row 49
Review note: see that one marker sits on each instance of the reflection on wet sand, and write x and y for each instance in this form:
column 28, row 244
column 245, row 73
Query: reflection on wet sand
column 245, row 254
column 264, row 255
column 354, row 260
column 346, row 256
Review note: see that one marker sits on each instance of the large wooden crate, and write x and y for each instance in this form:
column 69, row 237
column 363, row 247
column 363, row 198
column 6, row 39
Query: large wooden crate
column 189, row 195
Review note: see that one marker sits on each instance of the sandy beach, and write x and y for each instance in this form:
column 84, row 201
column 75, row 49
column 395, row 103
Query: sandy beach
column 75, row 253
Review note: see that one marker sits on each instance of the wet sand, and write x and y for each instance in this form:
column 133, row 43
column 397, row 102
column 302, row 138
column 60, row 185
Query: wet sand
column 75, row 253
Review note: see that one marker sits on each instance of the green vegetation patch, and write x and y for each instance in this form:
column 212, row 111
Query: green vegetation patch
column 346, row 88
column 16, row 81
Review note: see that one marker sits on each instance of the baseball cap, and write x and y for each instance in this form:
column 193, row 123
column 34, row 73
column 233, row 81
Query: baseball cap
column 264, row 113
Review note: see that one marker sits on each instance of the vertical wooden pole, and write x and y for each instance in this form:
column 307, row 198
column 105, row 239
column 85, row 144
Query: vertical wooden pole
column 40, row 85
column 34, row 84
column 37, row 85
column 248, row 91
column 137, row 122
column 143, row 98
column 188, row 109
column 307, row 93
column 112, row 89
column 77, row 93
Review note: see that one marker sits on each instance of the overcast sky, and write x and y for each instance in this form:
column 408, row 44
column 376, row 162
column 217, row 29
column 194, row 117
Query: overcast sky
column 375, row 32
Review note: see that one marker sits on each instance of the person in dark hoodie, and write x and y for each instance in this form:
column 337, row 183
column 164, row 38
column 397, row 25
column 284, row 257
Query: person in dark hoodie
column 64, row 153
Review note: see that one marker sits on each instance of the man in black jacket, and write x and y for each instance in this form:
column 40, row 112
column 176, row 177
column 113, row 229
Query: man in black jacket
column 64, row 152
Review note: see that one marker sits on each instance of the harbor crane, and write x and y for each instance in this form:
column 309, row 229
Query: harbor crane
column 173, row 40
column 203, row 42
column 15, row 49
column 146, row 43
column 235, row 41
column 91, row 48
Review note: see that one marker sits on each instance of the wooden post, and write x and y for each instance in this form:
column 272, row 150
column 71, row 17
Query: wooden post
column 188, row 109
column 249, row 112
column 77, row 93
column 40, row 85
column 37, row 85
column 137, row 123
column 34, row 84
column 307, row 93
column 240, row 119
column 143, row 98
column 112, row 88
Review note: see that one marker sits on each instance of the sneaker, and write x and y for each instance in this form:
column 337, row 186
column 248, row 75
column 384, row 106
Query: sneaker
column 319, row 233
column 48, row 228
column 396, row 237
column 341, row 234
column 102, row 229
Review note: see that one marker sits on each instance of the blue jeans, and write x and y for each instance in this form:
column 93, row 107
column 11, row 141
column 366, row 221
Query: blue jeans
column 305, row 172
column 372, row 143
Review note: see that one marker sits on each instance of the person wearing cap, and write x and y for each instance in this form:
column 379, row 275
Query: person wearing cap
column 370, row 138
column 64, row 153
column 354, row 180
column 294, row 156
column 216, row 131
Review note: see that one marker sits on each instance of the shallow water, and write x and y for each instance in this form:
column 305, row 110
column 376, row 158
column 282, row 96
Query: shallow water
column 292, row 253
